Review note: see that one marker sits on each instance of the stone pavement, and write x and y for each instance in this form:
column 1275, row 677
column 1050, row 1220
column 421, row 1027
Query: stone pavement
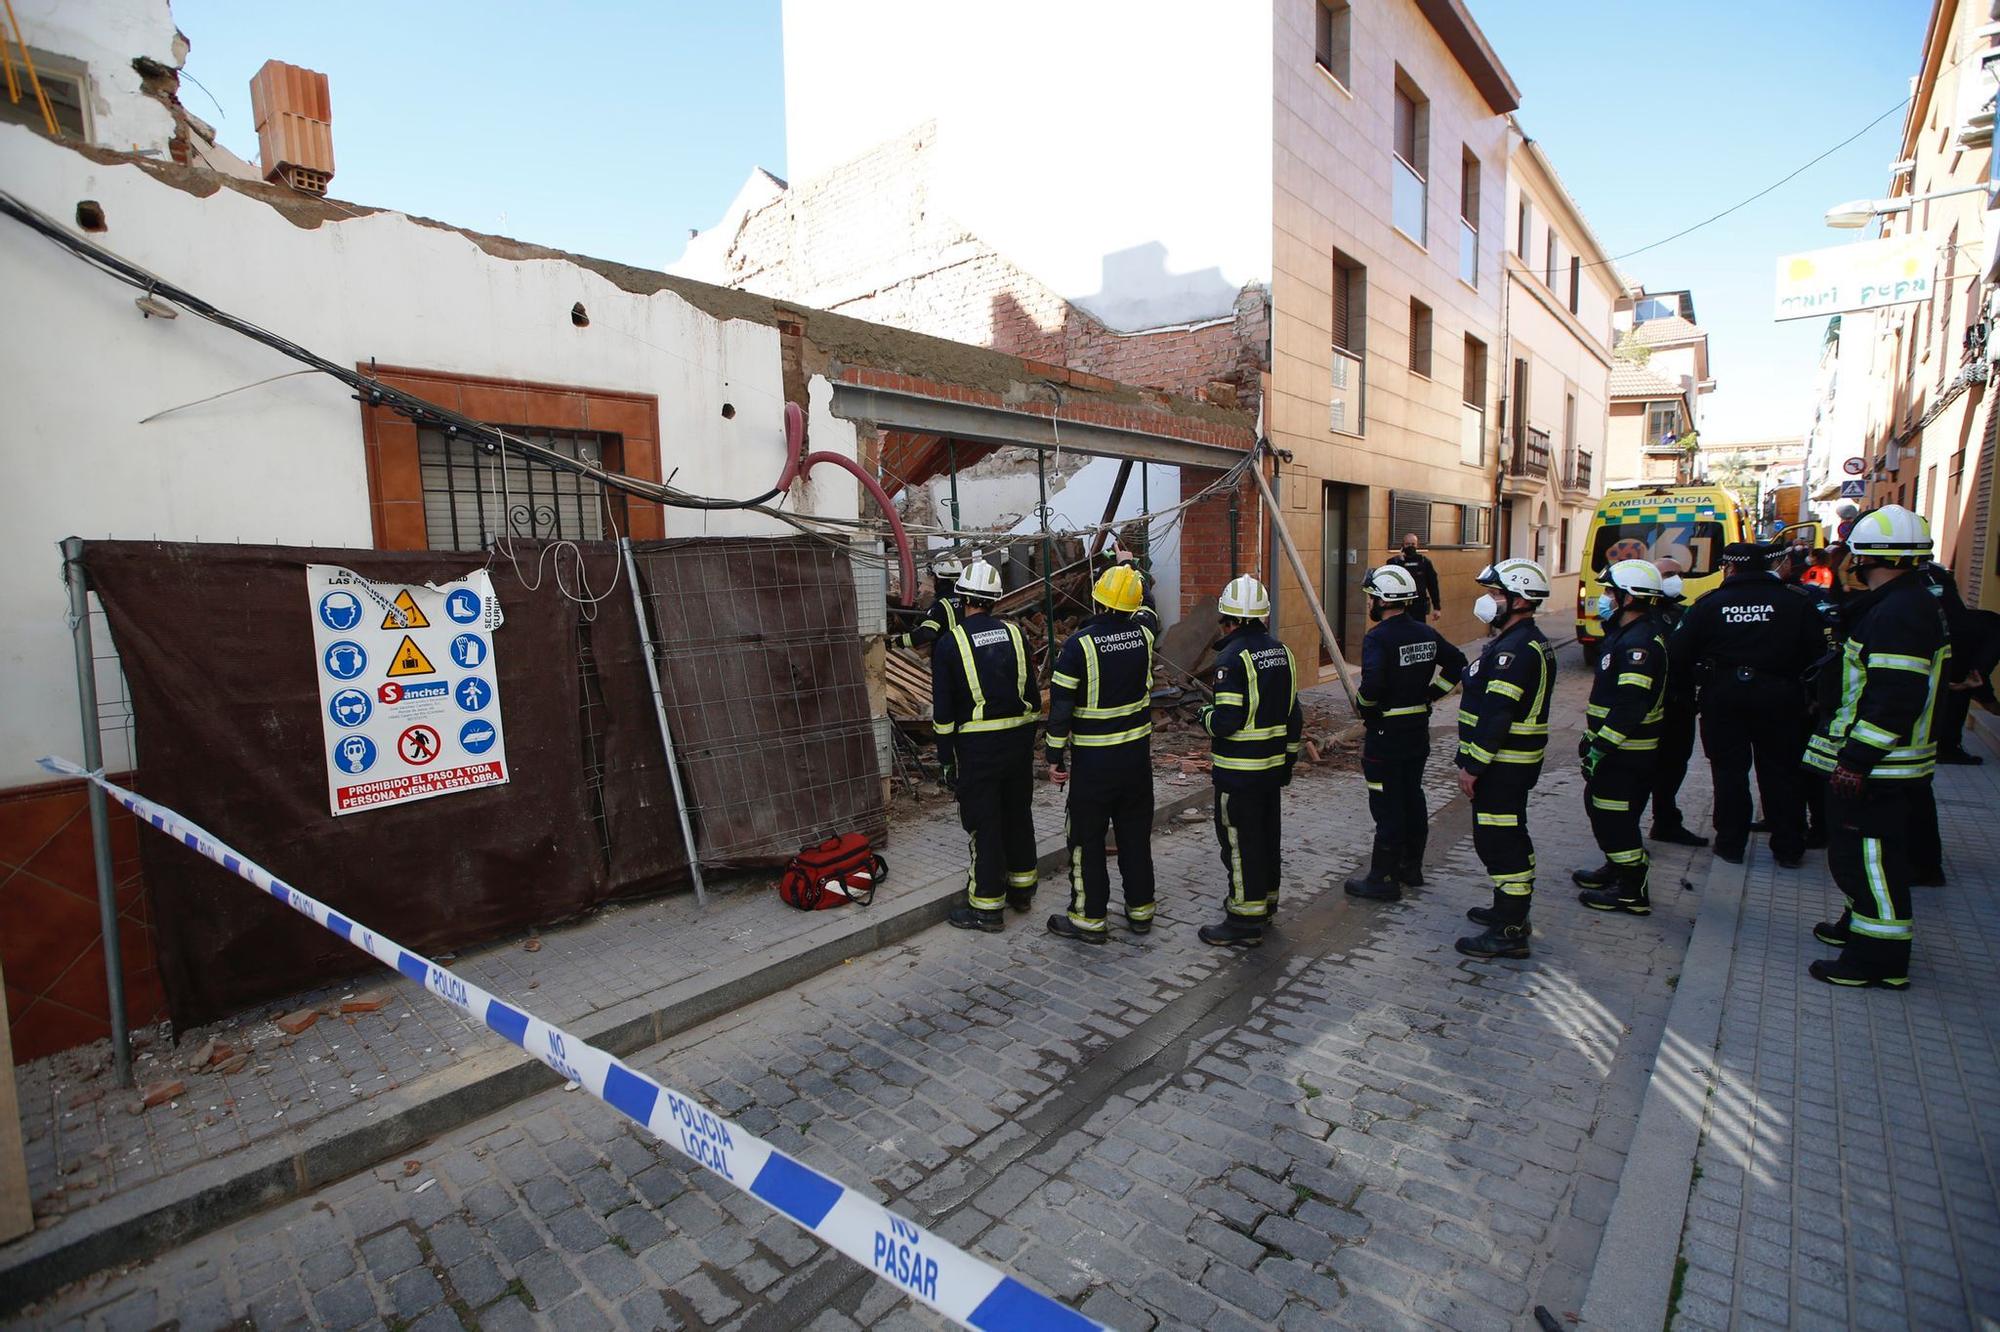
column 1849, row 1170
column 1353, row 1126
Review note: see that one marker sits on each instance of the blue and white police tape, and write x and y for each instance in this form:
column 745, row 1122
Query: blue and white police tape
column 945, row 1277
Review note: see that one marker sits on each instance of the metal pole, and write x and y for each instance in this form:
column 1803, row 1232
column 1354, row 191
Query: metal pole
column 100, row 815
column 1146, row 508
column 1277, row 520
column 1048, row 558
column 660, row 710
column 1305, row 581
column 951, row 458
column 1235, row 521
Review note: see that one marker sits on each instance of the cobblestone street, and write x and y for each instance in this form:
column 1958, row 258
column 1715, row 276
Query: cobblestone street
column 1352, row 1126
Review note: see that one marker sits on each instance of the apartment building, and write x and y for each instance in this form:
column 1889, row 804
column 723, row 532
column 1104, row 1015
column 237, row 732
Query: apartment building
column 1659, row 377
column 1562, row 293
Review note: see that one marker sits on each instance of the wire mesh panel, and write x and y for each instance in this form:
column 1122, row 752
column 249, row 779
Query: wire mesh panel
column 114, row 696
column 761, row 668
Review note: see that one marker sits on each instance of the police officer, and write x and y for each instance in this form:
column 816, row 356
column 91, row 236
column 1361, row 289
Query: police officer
column 1412, row 560
column 984, row 707
column 1750, row 643
column 1621, row 737
column 1876, row 748
column 944, row 611
column 1405, row 667
column 1503, row 728
column 1677, row 726
column 1100, row 721
column 1254, row 727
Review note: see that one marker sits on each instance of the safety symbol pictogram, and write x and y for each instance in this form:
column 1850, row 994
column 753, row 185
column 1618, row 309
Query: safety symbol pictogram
column 418, row 745
column 468, row 650
column 462, row 605
column 410, row 660
column 405, row 615
column 354, row 754
column 349, row 708
column 340, row 611
column 346, row 660
column 473, row 694
column 476, row 736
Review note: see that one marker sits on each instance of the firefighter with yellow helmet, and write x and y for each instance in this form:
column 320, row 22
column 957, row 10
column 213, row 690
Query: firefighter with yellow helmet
column 1100, row 724
column 1621, row 735
column 1878, row 698
column 1254, row 728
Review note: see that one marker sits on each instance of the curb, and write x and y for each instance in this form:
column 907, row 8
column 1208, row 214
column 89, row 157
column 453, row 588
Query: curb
column 134, row 1226
column 1632, row 1280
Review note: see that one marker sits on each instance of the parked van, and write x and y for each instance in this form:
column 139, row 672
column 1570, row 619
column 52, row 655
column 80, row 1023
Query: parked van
column 1690, row 524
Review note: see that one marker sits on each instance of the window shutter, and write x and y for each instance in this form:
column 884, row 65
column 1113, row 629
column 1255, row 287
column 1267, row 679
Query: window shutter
column 1341, row 307
column 1409, row 513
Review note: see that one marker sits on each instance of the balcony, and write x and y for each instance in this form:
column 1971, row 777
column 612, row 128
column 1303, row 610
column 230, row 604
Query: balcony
column 1530, row 455
column 1577, row 471
column 1407, row 203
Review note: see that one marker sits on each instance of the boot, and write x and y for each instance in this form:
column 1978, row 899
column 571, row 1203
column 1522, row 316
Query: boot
column 1677, row 834
column 1491, row 917
column 1603, row 876
column 1833, row 933
column 1410, row 863
column 1380, row 884
column 1499, row 940
column 1232, row 933
column 1139, row 926
column 1069, row 929
column 1022, row 902
column 1839, row 971
column 1629, row 895
column 1815, row 837
column 963, row 917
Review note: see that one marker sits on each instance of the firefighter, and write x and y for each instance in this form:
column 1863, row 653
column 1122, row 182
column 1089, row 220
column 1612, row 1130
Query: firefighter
column 1621, row 738
column 985, row 706
column 1750, row 643
column 1677, row 726
column 1503, row 728
column 1254, row 727
column 944, row 611
column 1876, row 747
column 1100, row 721
column 1406, row 666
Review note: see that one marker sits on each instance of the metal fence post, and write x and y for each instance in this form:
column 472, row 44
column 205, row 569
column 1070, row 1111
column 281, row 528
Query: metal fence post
column 100, row 816
column 660, row 710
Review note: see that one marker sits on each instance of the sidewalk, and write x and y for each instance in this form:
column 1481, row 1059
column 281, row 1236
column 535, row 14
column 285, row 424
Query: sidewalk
column 1848, row 1170
column 274, row 1112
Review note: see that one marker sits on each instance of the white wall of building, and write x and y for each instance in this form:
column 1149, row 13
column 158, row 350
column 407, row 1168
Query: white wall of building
column 1119, row 152
column 106, row 36
column 284, row 462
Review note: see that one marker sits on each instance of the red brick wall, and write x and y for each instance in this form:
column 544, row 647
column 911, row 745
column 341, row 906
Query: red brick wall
column 1206, row 566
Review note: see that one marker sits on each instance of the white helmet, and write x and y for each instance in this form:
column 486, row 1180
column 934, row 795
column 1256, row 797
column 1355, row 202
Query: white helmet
column 980, row 579
column 1890, row 532
column 1518, row 578
column 1390, row 584
column 1635, row 578
column 947, row 565
column 1244, row 599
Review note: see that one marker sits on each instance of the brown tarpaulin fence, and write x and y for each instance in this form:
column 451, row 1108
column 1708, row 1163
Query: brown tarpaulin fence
column 216, row 643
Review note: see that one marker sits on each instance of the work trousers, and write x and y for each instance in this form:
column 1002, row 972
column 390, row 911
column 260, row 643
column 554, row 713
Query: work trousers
column 1755, row 723
column 1953, row 706
column 1670, row 765
column 996, row 787
column 1924, row 852
column 1110, row 788
column 1615, row 797
column 1392, row 764
column 1866, row 856
column 1500, row 836
column 1247, row 829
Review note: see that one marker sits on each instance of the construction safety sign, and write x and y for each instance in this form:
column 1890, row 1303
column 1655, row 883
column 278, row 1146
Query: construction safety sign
column 408, row 690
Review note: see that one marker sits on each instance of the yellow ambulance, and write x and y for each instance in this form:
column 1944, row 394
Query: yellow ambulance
column 1690, row 524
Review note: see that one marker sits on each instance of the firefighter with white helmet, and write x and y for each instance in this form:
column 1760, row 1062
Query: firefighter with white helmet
column 1100, row 724
column 943, row 612
column 1503, row 728
column 1621, row 735
column 984, row 708
column 1406, row 666
column 1254, row 727
column 1878, row 700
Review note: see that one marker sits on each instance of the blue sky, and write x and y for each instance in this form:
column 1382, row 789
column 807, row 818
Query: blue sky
column 611, row 129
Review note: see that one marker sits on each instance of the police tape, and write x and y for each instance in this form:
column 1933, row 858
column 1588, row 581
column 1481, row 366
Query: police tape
column 941, row 1275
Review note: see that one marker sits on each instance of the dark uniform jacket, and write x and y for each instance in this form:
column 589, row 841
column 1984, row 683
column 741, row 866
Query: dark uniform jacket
column 1628, row 697
column 1256, row 722
column 1503, row 719
column 1405, row 667
column 1751, row 624
column 980, row 683
column 936, row 622
column 1426, row 574
column 1879, row 696
column 1101, row 692
column 1957, row 620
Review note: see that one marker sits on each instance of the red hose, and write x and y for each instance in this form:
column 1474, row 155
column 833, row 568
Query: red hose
column 795, row 443
column 888, row 508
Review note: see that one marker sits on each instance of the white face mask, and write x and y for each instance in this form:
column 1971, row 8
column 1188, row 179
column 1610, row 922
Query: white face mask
column 1486, row 610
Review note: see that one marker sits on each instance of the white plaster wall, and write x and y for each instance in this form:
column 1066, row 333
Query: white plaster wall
column 106, row 35
column 284, row 462
column 1118, row 150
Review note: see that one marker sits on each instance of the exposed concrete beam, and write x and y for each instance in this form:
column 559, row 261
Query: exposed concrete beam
column 893, row 409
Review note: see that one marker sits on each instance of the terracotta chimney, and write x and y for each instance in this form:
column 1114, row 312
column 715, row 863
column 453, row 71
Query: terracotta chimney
column 294, row 115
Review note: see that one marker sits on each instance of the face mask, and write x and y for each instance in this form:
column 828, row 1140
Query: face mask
column 1671, row 586
column 1607, row 608
column 1486, row 610
column 1409, row 552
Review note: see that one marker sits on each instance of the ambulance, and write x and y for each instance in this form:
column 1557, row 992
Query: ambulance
column 1690, row 524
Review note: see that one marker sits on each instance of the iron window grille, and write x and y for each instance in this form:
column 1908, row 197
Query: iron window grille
column 473, row 498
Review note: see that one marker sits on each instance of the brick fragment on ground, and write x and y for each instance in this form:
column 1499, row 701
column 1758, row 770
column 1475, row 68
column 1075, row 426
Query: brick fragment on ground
column 159, row 1093
column 294, row 1023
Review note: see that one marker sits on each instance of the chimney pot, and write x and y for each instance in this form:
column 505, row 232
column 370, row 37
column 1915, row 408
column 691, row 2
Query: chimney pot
column 294, row 114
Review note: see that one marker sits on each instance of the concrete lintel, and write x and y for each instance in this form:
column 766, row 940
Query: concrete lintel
column 893, row 409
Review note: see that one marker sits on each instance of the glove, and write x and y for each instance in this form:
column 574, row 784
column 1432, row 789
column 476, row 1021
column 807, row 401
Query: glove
column 1059, row 758
column 1592, row 756
column 950, row 767
column 1846, row 782
column 1285, row 773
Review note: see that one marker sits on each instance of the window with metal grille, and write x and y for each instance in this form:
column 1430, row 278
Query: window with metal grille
column 471, row 498
column 1420, row 338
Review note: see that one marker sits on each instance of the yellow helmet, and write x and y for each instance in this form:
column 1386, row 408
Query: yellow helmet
column 1120, row 588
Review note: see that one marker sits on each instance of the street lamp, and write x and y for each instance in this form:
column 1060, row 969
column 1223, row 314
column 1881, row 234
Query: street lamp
column 1860, row 212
